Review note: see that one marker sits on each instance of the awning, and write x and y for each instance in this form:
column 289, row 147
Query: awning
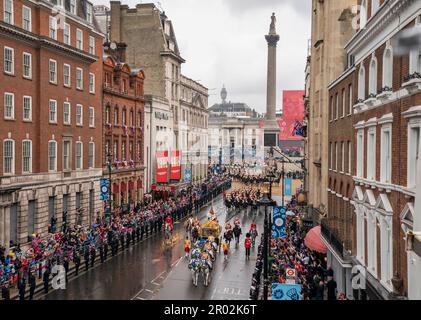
column 313, row 240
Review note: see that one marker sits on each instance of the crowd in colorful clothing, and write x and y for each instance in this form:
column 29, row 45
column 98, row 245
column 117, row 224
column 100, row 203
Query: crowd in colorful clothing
column 21, row 267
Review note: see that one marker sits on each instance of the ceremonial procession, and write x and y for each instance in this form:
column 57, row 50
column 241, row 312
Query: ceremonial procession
column 199, row 168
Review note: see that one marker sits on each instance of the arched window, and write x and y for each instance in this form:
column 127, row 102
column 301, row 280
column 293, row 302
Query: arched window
column 361, row 83
column 373, row 77
column 388, row 68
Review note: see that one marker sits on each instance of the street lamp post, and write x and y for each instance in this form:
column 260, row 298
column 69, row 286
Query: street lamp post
column 265, row 201
column 109, row 157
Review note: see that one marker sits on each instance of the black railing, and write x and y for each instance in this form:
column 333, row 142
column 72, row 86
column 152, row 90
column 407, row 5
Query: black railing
column 331, row 237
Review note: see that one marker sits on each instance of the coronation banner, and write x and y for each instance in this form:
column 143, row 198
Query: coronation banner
column 175, row 173
column 161, row 166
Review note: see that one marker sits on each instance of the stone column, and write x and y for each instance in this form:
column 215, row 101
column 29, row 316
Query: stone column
column 271, row 126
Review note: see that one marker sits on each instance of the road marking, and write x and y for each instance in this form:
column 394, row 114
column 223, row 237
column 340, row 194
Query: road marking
column 150, row 291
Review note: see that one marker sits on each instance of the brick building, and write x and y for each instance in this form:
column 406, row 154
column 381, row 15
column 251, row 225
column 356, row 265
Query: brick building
column 51, row 130
column 123, row 125
column 374, row 152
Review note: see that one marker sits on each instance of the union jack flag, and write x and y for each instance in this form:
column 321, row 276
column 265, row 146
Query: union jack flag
column 298, row 129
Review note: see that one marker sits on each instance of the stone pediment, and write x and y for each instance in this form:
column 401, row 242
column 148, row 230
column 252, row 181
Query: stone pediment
column 369, row 198
column 383, row 204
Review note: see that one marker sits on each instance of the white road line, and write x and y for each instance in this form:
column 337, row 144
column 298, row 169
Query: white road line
column 150, row 291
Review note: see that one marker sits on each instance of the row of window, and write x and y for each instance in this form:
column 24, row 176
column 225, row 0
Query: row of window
column 26, row 24
column 123, row 117
column 339, row 151
column 123, row 148
column 340, row 110
column 9, row 156
column 9, row 111
column 385, row 153
column 9, row 68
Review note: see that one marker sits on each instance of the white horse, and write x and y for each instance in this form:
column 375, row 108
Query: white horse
column 205, row 270
column 195, row 267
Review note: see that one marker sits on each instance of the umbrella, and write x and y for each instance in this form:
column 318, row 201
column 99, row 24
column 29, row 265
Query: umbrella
column 314, row 241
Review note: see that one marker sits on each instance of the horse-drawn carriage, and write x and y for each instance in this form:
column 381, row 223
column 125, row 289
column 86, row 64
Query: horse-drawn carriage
column 204, row 251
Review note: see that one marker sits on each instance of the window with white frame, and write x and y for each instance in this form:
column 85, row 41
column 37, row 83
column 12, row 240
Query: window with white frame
column 79, row 78
column 343, row 156
column 66, row 34
column 414, row 146
column 337, row 106
column 349, row 157
column 53, row 28
column 107, row 114
column 66, row 155
column 360, row 153
column 91, row 45
column 360, row 234
column 386, row 248
column 89, row 13
column 336, row 156
column 91, row 117
column 343, row 103
column 371, row 153
column 79, row 115
column 361, row 83
column 79, row 39
column 9, row 60
column 8, row 156
column 79, row 155
column 350, row 99
column 91, row 83
column 139, row 119
column 115, row 116
column 91, row 155
column 363, row 14
column 27, row 65
column 26, row 18
column 73, row 6
column 52, row 155
column 27, row 108
column 66, row 113
column 386, row 154
column 372, row 242
column 26, row 156
column 331, row 155
column 53, row 70
column 8, row 11
column 53, row 111
column 66, row 75
column 9, row 106
column 139, row 151
column 331, row 108
column 388, row 68
column 115, row 150
column 373, row 77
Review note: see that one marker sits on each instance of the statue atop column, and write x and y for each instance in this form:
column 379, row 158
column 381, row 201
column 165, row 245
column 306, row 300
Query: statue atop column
column 272, row 29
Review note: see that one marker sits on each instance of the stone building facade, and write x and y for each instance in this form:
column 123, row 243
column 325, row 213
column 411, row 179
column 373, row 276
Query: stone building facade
column 330, row 30
column 123, row 126
column 192, row 121
column 51, row 130
column 384, row 131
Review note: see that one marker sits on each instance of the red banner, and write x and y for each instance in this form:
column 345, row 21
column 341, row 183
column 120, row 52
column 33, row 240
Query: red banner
column 161, row 166
column 175, row 165
column 292, row 110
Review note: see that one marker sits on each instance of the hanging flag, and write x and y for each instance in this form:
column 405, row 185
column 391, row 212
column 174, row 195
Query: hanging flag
column 288, row 186
column 279, row 223
column 175, row 172
column 161, row 166
column 298, row 129
column 281, row 291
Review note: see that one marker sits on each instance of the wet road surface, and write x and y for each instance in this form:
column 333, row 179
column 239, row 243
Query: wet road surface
column 149, row 271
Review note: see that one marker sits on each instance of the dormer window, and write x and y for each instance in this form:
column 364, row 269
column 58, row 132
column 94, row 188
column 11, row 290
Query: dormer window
column 363, row 14
column 89, row 13
column 73, row 6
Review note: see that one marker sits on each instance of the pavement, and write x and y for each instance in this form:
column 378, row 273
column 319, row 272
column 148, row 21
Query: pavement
column 149, row 271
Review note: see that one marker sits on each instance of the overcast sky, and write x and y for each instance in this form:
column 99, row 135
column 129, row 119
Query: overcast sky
column 223, row 42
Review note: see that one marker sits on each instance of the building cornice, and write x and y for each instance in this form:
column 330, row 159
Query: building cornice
column 41, row 41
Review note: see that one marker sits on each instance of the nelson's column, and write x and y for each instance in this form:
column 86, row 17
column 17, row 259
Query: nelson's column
column 271, row 125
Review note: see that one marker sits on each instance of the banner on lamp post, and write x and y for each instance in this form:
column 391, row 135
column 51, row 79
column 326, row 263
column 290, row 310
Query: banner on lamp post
column 162, row 166
column 187, row 175
column 175, row 172
column 104, row 185
column 279, row 223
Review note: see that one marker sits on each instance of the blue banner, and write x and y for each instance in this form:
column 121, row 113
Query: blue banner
column 279, row 223
column 187, row 175
column 288, row 187
column 104, row 185
column 282, row 291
